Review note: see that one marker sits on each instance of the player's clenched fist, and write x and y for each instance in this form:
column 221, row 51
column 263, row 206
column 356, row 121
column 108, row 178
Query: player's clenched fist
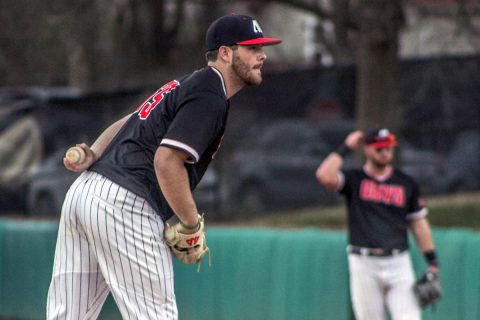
column 79, row 158
column 354, row 139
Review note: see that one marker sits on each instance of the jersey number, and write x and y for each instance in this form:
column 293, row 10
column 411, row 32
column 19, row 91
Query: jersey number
column 145, row 108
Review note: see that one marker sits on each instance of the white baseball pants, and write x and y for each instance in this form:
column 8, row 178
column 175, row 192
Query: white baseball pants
column 110, row 240
column 381, row 283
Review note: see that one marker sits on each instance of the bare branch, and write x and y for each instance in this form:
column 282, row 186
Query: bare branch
column 309, row 6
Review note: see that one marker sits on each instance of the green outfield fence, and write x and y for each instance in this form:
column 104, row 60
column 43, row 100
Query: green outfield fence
column 255, row 274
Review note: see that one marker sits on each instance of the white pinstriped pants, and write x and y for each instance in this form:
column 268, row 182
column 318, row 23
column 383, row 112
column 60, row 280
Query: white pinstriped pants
column 110, row 240
column 378, row 283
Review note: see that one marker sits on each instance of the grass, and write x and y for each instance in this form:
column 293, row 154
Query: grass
column 455, row 211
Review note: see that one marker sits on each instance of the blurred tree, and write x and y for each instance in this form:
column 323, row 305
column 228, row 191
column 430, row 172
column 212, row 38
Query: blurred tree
column 377, row 63
column 115, row 43
column 366, row 33
column 99, row 44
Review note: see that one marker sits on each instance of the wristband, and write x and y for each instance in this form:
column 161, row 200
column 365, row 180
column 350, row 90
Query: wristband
column 431, row 258
column 343, row 150
column 190, row 227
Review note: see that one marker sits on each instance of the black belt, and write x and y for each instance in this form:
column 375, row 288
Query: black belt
column 374, row 252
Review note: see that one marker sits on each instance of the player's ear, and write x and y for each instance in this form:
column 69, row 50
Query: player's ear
column 225, row 54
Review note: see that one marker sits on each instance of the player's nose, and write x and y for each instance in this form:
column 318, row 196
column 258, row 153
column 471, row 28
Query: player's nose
column 262, row 56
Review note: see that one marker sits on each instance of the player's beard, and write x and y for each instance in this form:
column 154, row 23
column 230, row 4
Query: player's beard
column 380, row 164
column 245, row 73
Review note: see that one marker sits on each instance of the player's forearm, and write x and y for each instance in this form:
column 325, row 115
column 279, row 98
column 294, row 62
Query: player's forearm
column 99, row 146
column 173, row 179
column 327, row 172
column 423, row 235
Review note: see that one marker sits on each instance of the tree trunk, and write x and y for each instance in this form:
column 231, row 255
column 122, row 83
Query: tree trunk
column 377, row 74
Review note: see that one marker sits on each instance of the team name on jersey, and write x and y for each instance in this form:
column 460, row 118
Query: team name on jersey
column 383, row 193
column 146, row 108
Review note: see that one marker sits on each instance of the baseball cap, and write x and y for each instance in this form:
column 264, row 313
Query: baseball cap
column 380, row 138
column 236, row 30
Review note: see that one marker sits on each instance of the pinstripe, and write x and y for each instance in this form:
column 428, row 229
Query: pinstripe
column 146, row 260
column 138, row 262
column 88, row 213
column 91, row 228
column 87, row 249
column 80, row 231
column 67, row 213
column 170, row 281
column 156, row 266
column 68, row 218
column 164, row 282
column 77, row 208
column 118, row 250
column 130, row 262
column 104, row 216
column 163, row 269
column 98, row 297
column 81, row 256
column 96, row 304
column 81, row 273
column 91, row 239
column 156, row 263
column 54, row 296
column 126, row 251
column 110, row 249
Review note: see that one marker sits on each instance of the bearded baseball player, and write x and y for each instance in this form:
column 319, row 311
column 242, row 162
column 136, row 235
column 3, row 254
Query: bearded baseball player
column 113, row 236
column 382, row 203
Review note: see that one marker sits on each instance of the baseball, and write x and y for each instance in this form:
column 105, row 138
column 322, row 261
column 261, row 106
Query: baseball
column 75, row 155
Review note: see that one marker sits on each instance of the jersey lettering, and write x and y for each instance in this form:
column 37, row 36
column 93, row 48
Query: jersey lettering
column 384, row 193
column 146, row 108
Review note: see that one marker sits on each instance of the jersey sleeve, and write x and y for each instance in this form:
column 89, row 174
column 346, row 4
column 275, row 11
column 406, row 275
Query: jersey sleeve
column 196, row 124
column 416, row 204
column 344, row 182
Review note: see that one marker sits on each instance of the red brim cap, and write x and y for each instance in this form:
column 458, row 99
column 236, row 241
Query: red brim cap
column 262, row 40
column 383, row 144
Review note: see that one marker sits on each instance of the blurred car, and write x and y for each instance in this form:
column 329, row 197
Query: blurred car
column 49, row 184
column 425, row 166
column 274, row 166
column 462, row 170
column 33, row 125
column 21, row 148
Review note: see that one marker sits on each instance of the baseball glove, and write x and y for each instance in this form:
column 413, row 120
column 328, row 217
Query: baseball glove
column 427, row 289
column 188, row 248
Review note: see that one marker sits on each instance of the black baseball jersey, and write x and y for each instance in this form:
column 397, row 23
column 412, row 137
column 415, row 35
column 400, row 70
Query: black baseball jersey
column 380, row 209
column 189, row 115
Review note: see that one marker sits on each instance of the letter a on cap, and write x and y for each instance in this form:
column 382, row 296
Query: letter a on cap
column 256, row 26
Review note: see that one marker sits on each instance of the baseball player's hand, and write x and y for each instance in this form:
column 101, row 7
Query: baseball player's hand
column 428, row 289
column 188, row 246
column 90, row 158
column 354, row 139
column 433, row 269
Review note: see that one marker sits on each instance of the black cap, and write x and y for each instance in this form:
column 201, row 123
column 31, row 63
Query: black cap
column 236, row 30
column 380, row 138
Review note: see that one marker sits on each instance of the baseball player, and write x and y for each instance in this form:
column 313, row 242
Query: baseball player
column 138, row 174
column 383, row 203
